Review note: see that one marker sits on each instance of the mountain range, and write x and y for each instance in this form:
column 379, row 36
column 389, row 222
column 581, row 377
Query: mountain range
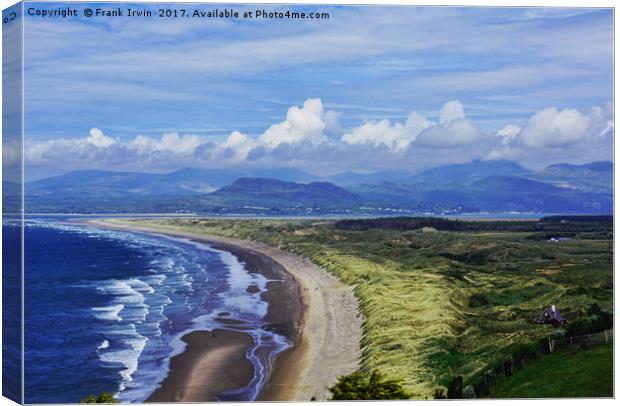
column 477, row 186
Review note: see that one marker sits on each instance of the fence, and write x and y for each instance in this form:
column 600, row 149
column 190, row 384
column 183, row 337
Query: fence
column 588, row 339
column 484, row 382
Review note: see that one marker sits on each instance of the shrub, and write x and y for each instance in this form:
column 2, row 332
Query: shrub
column 478, row 300
column 469, row 392
column 440, row 393
column 358, row 386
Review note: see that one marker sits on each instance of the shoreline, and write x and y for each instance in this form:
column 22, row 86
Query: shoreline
column 206, row 350
column 216, row 357
column 323, row 324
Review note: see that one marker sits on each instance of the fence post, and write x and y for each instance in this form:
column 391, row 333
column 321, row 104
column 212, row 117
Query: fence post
column 605, row 336
column 551, row 344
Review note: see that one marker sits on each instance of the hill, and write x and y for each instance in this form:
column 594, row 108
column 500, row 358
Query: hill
column 273, row 192
column 591, row 177
column 478, row 186
column 468, row 173
column 186, row 181
column 566, row 373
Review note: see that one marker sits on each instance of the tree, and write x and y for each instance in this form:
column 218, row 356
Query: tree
column 455, row 389
column 104, row 397
column 579, row 327
column 358, row 386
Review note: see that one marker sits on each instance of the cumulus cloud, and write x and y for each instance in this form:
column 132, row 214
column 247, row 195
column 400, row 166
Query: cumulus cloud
column 452, row 130
column 99, row 139
column 557, row 128
column 567, row 134
column 508, row 133
column 456, row 133
column 311, row 137
column 304, row 124
column 553, row 128
column 236, row 147
column 397, row 137
column 99, row 150
column 169, row 142
column 452, row 110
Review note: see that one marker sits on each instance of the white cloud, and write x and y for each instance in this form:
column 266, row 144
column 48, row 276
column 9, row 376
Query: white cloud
column 560, row 128
column 457, row 133
column 452, row 110
column 301, row 140
column 508, row 133
column 454, row 129
column 397, row 137
column 237, row 146
column 169, row 142
column 99, row 139
column 558, row 135
column 304, row 124
column 551, row 127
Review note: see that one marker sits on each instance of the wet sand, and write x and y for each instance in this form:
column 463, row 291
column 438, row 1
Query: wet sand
column 318, row 314
column 212, row 363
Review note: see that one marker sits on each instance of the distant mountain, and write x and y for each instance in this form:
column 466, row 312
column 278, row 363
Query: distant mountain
column 491, row 186
column 96, row 183
column 354, row 178
column 186, row 181
column 468, row 173
column 108, row 191
column 491, row 194
column 513, row 184
column 591, row 177
column 521, row 194
column 270, row 192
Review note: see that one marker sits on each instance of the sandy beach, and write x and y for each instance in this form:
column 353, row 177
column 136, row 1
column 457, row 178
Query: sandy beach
column 216, row 357
column 317, row 312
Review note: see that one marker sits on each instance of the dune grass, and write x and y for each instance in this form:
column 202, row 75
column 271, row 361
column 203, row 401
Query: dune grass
column 415, row 288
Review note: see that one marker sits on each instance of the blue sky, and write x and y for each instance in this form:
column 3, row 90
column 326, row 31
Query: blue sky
column 371, row 88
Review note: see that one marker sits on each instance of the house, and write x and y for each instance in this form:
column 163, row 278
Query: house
column 551, row 315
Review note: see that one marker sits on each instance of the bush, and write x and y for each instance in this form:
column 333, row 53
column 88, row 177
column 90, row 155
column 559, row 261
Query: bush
column 478, row 300
column 440, row 393
column 104, row 397
column 358, row 386
column 469, row 392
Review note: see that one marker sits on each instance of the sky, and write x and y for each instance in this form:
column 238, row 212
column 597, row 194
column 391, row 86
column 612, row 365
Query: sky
column 371, row 88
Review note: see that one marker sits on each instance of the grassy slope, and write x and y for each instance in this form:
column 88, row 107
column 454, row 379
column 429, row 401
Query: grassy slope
column 414, row 288
column 567, row 373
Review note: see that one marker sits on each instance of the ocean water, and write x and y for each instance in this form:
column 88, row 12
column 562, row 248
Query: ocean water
column 105, row 310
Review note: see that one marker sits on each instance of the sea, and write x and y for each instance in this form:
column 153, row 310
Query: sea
column 105, row 310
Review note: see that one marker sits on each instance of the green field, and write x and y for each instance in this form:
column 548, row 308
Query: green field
column 571, row 372
column 441, row 303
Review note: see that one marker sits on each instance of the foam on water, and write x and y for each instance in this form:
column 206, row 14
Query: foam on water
column 104, row 344
column 185, row 288
column 108, row 313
